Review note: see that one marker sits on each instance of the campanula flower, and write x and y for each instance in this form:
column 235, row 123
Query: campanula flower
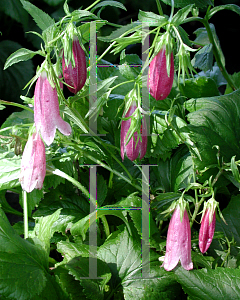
column 33, row 164
column 133, row 149
column 75, row 76
column 159, row 83
column 207, row 228
column 46, row 110
column 178, row 246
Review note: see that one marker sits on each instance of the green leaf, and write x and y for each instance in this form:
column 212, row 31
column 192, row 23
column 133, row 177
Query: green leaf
column 183, row 3
column 202, row 38
column 203, row 59
column 33, row 199
column 181, row 15
column 199, row 87
column 53, row 2
column 174, row 173
column 216, row 75
column 232, row 7
column 17, row 76
column 236, row 79
column 151, row 18
column 214, row 121
column 42, row 19
column 70, row 250
column 82, row 226
column 6, row 207
column 20, row 55
column 118, row 32
column 231, row 214
column 111, row 3
column 93, row 289
column 14, row 9
column 22, row 263
column 207, row 284
column 9, row 172
column 123, row 255
column 45, row 229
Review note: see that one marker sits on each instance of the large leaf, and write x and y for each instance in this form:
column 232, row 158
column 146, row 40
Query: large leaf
column 183, row 3
column 232, row 216
column 9, row 172
column 123, row 255
column 215, row 122
column 15, row 78
column 42, row 19
column 14, row 9
column 20, row 262
column 207, row 284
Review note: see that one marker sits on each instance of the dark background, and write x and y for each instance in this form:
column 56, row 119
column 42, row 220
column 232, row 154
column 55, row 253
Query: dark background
column 15, row 22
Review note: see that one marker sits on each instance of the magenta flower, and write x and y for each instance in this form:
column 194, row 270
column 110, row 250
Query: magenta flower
column 178, row 245
column 132, row 150
column 33, row 164
column 46, row 110
column 159, row 83
column 75, row 76
column 207, row 229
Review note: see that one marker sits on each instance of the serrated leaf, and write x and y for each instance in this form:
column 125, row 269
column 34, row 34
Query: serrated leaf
column 181, row 15
column 9, row 172
column 17, row 76
column 231, row 214
column 232, row 7
column 118, row 32
column 183, row 3
column 199, row 87
column 151, row 18
column 22, row 54
column 22, row 263
column 123, row 255
column 42, row 19
column 203, row 59
column 92, row 288
column 207, row 284
column 214, row 121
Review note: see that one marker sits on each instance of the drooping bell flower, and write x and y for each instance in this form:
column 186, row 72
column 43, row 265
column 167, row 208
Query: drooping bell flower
column 159, row 83
column 208, row 223
column 135, row 146
column 46, row 110
column 75, row 76
column 178, row 246
column 33, row 164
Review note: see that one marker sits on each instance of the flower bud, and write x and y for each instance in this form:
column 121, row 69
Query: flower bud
column 207, row 229
column 132, row 150
column 33, row 164
column 46, row 110
column 178, row 245
column 75, row 76
column 159, row 83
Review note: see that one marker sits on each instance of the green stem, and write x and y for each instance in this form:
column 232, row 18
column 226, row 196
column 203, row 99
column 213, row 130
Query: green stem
column 90, row 6
column 215, row 50
column 25, row 214
column 197, row 207
column 106, row 51
column 16, row 104
column 159, row 7
column 105, row 225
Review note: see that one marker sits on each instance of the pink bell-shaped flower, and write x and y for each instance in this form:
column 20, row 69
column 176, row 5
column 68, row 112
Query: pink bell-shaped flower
column 207, row 228
column 159, row 83
column 46, row 110
column 132, row 150
column 75, row 76
column 178, row 246
column 33, row 164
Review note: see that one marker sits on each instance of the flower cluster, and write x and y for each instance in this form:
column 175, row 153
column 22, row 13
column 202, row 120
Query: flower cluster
column 47, row 118
column 178, row 245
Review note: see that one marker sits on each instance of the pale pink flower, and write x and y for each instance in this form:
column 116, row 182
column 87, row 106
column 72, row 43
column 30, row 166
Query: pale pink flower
column 207, row 229
column 132, row 150
column 46, row 110
column 33, row 164
column 178, row 246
